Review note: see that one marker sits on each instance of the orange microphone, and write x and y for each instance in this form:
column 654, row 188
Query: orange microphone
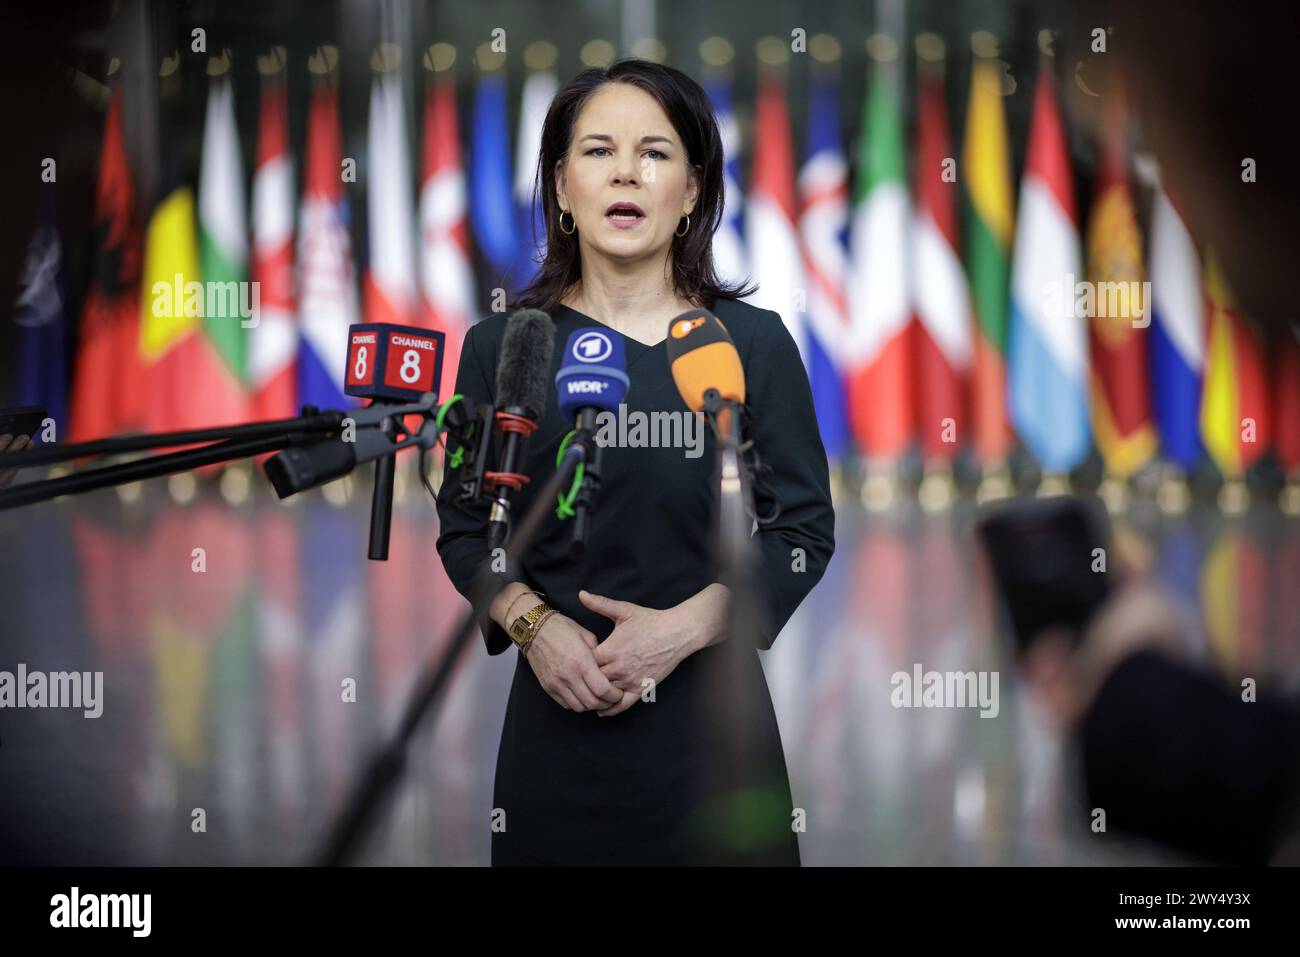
column 703, row 359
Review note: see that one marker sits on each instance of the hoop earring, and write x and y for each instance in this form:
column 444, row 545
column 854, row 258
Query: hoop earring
column 686, row 230
column 571, row 230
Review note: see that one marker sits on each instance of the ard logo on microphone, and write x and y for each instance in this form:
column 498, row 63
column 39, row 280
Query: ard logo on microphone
column 593, row 346
column 393, row 362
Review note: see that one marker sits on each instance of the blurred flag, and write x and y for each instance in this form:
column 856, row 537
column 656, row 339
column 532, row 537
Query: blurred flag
column 986, row 158
column 390, row 294
column 186, row 385
column 823, row 221
column 327, row 297
column 1121, row 413
column 446, row 271
column 1234, row 589
column 491, row 201
column 539, row 90
column 1286, row 413
column 1047, row 355
column 879, row 352
column 1234, row 405
column 41, row 315
column 989, row 222
column 728, row 247
column 223, row 257
column 770, row 219
column 1177, row 334
column 273, row 342
column 939, row 292
column 106, row 383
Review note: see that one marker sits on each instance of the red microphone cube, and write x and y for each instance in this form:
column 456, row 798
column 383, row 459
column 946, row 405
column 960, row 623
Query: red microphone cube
column 387, row 361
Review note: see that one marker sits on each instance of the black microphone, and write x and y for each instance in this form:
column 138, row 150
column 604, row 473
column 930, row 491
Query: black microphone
column 522, row 374
column 300, row 467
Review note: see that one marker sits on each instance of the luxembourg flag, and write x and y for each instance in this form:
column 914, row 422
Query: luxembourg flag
column 390, row 292
column 774, row 250
column 823, row 221
column 273, row 342
column 446, row 276
column 728, row 247
column 1177, row 345
column 539, row 90
column 327, row 296
column 1047, row 345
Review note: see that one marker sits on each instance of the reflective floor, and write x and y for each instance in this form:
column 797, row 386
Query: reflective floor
column 231, row 639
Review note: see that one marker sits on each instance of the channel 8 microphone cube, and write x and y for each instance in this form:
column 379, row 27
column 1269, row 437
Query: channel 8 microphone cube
column 387, row 361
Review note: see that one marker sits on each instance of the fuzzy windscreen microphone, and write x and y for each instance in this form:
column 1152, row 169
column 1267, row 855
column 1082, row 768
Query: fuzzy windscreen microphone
column 524, row 371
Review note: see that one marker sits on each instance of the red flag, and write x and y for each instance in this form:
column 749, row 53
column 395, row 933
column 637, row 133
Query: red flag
column 273, row 343
column 106, row 386
column 942, row 333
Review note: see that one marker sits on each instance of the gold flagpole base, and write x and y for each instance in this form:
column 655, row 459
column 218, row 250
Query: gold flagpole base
column 1115, row 493
column 1234, row 497
column 937, row 491
column 1173, row 497
column 1053, row 484
column 236, row 483
column 879, row 490
column 1289, row 498
column 996, row 484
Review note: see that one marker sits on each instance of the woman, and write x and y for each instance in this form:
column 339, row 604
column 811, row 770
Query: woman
column 590, row 770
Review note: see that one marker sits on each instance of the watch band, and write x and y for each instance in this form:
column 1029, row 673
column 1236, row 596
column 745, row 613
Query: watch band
column 524, row 628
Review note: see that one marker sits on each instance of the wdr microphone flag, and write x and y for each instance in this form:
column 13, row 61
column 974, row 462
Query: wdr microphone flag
column 823, row 222
column 1047, row 346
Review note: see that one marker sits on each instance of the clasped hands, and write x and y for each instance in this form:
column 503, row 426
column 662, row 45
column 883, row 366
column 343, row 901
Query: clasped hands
column 608, row 677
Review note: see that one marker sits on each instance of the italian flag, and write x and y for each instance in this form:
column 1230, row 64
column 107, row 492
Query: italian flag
column 880, row 412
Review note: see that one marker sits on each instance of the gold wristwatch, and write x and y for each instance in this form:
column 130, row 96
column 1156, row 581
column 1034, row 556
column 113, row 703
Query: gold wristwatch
column 524, row 628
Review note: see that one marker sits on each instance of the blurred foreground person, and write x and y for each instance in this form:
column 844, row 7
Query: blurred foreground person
column 1169, row 751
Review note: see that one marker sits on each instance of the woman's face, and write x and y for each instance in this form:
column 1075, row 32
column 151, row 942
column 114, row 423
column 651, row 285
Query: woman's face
column 625, row 179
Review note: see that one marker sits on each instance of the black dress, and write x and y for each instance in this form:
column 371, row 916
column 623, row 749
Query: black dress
column 576, row 788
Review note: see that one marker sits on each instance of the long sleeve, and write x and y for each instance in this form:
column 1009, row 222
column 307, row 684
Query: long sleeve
column 462, row 535
column 783, row 427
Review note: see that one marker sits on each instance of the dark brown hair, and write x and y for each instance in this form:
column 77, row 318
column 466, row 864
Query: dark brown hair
column 687, row 106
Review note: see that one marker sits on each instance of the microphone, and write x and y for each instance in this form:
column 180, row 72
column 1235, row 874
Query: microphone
column 706, row 368
column 300, row 467
column 526, row 352
column 593, row 379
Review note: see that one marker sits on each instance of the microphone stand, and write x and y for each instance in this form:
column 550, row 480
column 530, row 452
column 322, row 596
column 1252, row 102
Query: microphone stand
column 585, row 501
column 225, row 444
column 735, row 712
column 387, row 763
